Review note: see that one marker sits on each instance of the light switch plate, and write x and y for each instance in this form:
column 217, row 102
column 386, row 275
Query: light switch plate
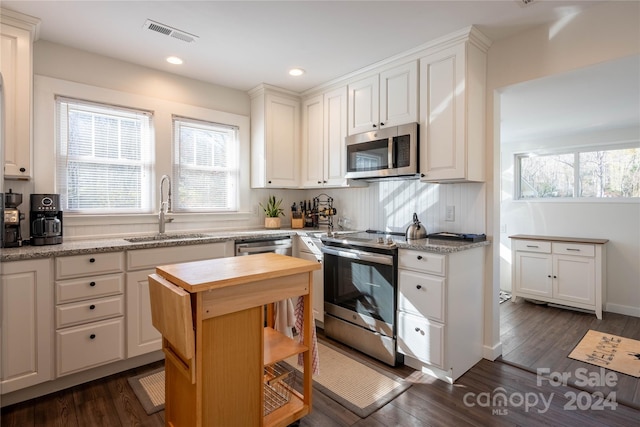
column 450, row 214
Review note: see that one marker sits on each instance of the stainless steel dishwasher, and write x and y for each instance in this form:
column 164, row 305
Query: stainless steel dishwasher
column 259, row 245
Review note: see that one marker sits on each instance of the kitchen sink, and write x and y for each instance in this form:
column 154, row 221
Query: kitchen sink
column 161, row 237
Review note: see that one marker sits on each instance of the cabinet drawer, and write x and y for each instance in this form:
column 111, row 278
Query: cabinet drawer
column 151, row 258
column 423, row 261
column 421, row 294
column 87, row 265
column 89, row 287
column 89, row 311
column 533, row 246
column 87, row 346
column 421, row 339
column 573, row 249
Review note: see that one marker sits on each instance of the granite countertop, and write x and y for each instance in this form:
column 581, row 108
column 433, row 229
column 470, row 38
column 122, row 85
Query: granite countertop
column 81, row 247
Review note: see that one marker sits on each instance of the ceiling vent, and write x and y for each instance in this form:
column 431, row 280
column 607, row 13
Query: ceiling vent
column 169, row 31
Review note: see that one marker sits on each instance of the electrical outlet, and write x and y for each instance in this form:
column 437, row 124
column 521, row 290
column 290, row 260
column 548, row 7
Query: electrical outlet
column 450, row 214
column 503, row 228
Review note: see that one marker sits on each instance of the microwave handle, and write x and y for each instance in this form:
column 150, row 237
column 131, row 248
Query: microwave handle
column 390, row 159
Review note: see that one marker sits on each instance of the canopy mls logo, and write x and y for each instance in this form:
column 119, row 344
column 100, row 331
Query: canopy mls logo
column 499, row 400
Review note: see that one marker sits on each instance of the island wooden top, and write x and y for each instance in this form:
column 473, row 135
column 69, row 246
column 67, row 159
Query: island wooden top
column 560, row 239
column 198, row 276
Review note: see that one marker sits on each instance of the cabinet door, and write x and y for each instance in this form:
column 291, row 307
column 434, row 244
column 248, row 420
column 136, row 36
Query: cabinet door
column 533, row 274
column 574, row 279
column 27, row 324
column 399, row 95
column 313, row 149
column 421, row 338
column 364, row 98
column 283, row 141
column 15, row 66
column 442, row 115
column 335, row 132
column 142, row 337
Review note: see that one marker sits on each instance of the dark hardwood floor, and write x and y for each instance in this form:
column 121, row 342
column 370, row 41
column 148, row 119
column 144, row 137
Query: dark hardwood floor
column 531, row 335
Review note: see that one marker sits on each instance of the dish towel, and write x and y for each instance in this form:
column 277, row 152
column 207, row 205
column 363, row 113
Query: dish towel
column 285, row 317
column 315, row 361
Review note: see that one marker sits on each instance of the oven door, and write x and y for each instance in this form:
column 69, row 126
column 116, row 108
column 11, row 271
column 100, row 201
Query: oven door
column 360, row 288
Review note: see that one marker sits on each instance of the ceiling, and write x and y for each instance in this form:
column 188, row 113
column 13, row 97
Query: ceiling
column 244, row 43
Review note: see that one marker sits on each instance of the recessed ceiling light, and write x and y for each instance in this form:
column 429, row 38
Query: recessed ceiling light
column 296, row 72
column 174, row 60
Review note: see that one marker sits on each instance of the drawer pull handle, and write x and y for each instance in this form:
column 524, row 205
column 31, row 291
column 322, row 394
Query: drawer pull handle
column 92, row 307
column 419, row 256
column 92, row 284
column 532, row 246
column 92, row 336
column 573, row 249
column 418, row 286
column 92, row 260
column 417, row 329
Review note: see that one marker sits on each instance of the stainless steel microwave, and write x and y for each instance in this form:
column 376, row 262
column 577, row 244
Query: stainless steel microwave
column 383, row 153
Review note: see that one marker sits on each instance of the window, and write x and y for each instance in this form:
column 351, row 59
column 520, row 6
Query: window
column 104, row 158
column 205, row 166
column 579, row 174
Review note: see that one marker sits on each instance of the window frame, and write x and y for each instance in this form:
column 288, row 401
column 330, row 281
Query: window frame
column 576, row 151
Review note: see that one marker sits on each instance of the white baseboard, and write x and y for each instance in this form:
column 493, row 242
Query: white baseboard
column 622, row 309
column 492, row 353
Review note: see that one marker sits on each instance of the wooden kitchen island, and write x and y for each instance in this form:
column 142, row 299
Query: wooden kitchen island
column 212, row 319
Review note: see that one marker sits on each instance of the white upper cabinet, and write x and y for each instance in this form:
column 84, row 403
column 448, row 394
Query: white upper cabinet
column 275, row 138
column 385, row 99
column 452, row 105
column 16, row 40
column 324, row 128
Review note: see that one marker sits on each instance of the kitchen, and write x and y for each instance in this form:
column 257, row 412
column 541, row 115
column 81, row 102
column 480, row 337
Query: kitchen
column 377, row 206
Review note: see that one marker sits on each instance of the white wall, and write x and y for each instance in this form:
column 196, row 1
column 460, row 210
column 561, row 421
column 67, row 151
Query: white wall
column 602, row 32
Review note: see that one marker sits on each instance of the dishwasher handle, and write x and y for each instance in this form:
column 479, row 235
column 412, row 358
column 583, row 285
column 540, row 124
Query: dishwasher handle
column 246, row 249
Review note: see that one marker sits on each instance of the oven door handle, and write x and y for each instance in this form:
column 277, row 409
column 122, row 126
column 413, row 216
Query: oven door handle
column 359, row 255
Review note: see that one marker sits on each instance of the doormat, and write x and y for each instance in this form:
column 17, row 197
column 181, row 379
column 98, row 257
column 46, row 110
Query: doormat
column 149, row 389
column 609, row 351
column 359, row 386
column 504, row 296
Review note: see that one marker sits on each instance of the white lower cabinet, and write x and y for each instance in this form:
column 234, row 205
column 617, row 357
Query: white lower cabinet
column 564, row 271
column 318, row 287
column 440, row 310
column 89, row 311
column 27, row 315
column 142, row 337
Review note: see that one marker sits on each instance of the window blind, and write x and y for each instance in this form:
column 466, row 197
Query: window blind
column 104, row 157
column 205, row 169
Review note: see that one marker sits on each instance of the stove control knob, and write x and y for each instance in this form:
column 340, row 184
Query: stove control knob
column 381, row 240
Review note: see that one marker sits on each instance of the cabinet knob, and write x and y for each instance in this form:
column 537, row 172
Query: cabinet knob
column 417, row 329
column 324, row 182
column 419, row 256
column 92, row 260
column 92, row 307
column 549, row 276
column 381, row 124
column 418, row 286
column 92, row 336
column 92, row 284
column 268, row 182
column 555, row 277
column 23, row 170
column 319, row 182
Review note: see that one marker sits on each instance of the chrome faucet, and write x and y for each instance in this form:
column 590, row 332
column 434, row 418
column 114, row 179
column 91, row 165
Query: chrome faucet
column 165, row 206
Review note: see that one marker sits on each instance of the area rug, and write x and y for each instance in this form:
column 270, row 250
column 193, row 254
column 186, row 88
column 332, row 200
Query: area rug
column 149, row 389
column 357, row 385
column 504, row 296
column 609, row 351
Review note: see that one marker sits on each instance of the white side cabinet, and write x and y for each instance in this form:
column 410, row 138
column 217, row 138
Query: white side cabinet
column 89, row 311
column 16, row 41
column 27, row 315
column 561, row 270
column 324, row 128
column 142, row 337
column 440, row 310
column 452, row 105
column 318, row 277
column 275, row 138
column 385, row 99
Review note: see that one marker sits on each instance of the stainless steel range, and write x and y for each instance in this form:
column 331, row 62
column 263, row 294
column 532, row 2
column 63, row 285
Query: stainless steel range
column 360, row 291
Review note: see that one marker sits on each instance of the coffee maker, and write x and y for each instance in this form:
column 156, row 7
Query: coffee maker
column 11, row 236
column 45, row 221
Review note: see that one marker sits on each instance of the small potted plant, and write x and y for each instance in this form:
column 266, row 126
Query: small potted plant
column 272, row 211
